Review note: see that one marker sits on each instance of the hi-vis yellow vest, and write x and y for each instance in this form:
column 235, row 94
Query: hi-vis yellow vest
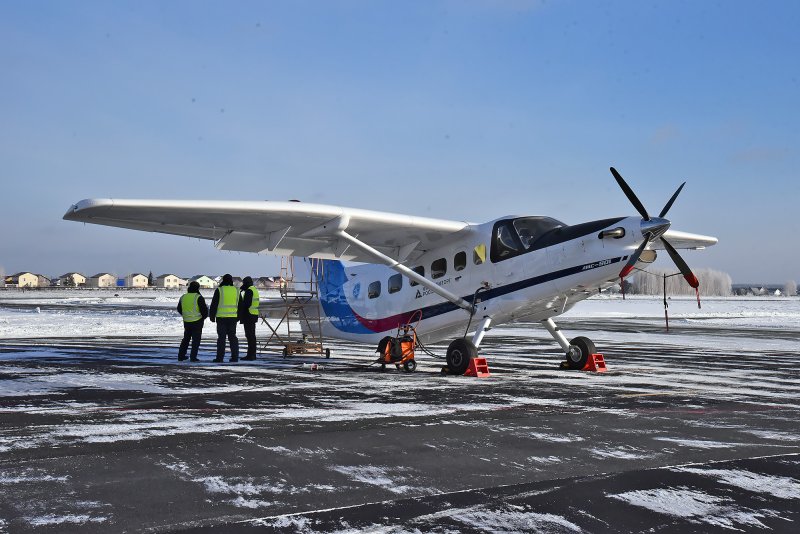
column 189, row 308
column 254, row 304
column 228, row 301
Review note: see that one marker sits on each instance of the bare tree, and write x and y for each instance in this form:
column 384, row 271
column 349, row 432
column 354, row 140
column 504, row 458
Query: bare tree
column 790, row 288
column 712, row 283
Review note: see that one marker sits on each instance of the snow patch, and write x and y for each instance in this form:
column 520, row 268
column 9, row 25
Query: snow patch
column 514, row 519
column 619, row 453
column 217, row 484
column 699, row 443
column 774, row 435
column 777, row 486
column 693, row 505
column 52, row 519
column 372, row 475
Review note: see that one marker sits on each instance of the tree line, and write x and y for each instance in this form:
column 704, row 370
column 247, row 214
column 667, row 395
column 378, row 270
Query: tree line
column 712, row 283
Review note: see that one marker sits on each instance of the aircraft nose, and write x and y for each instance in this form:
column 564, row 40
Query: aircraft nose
column 656, row 226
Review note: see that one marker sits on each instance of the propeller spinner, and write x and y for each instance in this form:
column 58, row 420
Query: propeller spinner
column 653, row 228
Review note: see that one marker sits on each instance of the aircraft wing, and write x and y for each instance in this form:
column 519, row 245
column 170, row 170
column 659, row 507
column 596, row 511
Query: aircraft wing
column 281, row 228
column 684, row 240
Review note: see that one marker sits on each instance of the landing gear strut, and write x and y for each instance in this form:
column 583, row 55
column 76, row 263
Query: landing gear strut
column 578, row 350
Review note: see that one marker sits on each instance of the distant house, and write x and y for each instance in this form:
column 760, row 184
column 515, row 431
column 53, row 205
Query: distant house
column 43, row 280
column 23, row 280
column 237, row 280
column 136, row 280
column 206, row 282
column 268, row 282
column 170, row 281
column 102, row 280
column 72, row 280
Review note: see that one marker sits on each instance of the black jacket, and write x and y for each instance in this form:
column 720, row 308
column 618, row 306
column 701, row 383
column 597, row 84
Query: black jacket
column 245, row 301
column 201, row 305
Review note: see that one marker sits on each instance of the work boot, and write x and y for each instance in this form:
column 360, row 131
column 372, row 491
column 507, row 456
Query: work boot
column 249, row 358
column 234, row 359
column 181, row 358
column 218, row 360
column 194, row 360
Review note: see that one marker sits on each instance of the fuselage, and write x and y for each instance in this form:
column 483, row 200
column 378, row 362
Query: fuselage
column 514, row 268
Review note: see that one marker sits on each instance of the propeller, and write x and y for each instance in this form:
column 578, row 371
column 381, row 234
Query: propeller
column 654, row 228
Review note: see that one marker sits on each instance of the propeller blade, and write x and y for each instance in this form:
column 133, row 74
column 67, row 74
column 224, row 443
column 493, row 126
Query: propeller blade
column 634, row 257
column 668, row 205
column 684, row 269
column 630, row 194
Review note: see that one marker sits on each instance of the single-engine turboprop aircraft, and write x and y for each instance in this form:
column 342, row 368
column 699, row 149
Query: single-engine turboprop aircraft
column 452, row 276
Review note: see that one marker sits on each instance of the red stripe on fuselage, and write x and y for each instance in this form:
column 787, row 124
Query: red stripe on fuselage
column 387, row 323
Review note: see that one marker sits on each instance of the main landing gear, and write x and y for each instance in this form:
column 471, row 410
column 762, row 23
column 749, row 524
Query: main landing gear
column 578, row 350
column 462, row 350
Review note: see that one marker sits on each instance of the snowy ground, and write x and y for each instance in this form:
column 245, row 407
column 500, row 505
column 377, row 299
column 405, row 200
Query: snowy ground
column 695, row 430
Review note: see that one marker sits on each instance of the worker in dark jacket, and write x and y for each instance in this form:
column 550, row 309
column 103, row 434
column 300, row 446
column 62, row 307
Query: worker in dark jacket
column 224, row 310
column 248, row 314
column 192, row 306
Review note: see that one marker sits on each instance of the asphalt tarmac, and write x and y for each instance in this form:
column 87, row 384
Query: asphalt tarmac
column 114, row 435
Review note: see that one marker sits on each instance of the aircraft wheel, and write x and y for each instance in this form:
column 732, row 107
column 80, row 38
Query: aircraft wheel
column 577, row 359
column 459, row 354
column 327, row 353
column 410, row 366
column 285, row 352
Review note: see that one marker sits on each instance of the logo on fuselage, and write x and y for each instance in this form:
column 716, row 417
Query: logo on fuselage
column 425, row 291
column 356, row 290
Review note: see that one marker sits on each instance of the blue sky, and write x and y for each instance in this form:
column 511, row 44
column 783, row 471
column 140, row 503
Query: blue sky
column 459, row 110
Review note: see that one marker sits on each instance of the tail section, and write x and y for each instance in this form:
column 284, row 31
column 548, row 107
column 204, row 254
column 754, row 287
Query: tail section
column 330, row 279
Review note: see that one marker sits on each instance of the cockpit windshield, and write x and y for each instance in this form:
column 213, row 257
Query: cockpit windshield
column 530, row 229
column 517, row 236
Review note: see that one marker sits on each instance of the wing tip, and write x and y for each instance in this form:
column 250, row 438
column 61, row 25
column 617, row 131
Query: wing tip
column 74, row 211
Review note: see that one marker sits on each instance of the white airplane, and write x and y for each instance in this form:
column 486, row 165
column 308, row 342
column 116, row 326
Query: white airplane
column 454, row 277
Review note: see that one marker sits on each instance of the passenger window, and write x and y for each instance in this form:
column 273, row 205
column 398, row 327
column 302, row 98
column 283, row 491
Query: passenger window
column 479, row 254
column 374, row 290
column 395, row 283
column 420, row 271
column 438, row 268
column 460, row 261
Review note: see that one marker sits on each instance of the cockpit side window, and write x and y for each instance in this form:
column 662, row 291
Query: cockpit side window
column 505, row 241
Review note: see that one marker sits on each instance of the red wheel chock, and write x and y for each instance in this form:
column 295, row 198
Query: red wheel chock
column 595, row 363
column 478, row 368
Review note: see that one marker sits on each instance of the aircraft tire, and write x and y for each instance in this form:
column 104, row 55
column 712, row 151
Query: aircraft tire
column 410, row 366
column 586, row 348
column 459, row 354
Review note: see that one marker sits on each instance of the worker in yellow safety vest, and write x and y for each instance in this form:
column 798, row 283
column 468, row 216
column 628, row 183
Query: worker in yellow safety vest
column 192, row 306
column 248, row 314
column 224, row 311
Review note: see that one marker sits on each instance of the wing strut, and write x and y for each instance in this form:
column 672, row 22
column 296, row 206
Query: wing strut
column 397, row 266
